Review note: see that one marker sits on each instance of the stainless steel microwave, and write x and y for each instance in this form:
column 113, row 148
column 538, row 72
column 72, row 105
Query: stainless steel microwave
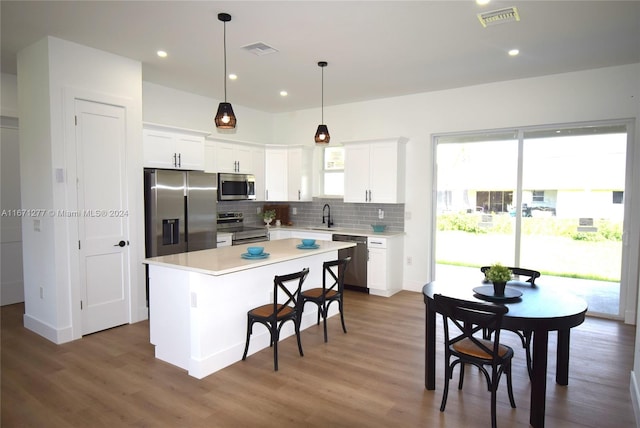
column 236, row 187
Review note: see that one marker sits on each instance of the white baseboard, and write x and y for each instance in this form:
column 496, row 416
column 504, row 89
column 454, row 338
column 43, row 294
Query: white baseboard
column 47, row 331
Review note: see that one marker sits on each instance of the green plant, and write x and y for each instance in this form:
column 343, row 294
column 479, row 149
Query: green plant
column 498, row 273
column 269, row 214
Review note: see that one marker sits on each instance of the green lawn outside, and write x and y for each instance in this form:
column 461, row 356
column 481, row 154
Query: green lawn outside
column 551, row 255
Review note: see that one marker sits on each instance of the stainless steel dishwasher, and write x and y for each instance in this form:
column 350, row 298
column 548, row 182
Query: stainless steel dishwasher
column 356, row 275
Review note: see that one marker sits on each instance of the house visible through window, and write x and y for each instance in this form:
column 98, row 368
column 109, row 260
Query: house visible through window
column 618, row 197
column 333, row 171
column 538, row 196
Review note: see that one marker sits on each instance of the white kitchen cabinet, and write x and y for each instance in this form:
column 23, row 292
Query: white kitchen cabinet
column 233, row 157
column 224, row 240
column 173, row 148
column 276, row 233
column 275, row 174
column 287, row 174
column 384, row 267
column 374, row 171
column 299, row 174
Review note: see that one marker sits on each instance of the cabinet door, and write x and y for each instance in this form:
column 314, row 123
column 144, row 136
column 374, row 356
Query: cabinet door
column 383, row 173
column 356, row 173
column 190, row 152
column 244, row 159
column 299, row 174
column 225, row 157
column 377, row 269
column 158, row 149
column 276, row 175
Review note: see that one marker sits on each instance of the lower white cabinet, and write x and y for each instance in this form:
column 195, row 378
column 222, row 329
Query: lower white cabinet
column 275, row 234
column 384, row 268
column 223, row 240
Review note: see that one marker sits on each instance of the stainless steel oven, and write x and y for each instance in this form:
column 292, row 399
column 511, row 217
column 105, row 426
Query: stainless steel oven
column 233, row 222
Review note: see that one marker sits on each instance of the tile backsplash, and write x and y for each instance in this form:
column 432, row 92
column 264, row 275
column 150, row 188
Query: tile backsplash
column 309, row 214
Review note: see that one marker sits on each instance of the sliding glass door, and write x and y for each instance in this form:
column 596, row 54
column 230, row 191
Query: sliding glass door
column 546, row 199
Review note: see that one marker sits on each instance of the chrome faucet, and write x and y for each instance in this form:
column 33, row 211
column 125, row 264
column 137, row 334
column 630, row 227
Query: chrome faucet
column 328, row 217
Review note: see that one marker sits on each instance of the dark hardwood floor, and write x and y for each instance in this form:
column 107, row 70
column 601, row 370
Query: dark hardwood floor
column 371, row 377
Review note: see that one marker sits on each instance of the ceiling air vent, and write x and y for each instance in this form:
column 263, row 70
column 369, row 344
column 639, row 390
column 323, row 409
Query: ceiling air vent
column 260, row 49
column 500, row 16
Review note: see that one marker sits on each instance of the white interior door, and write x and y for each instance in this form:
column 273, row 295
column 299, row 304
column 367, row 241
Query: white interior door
column 103, row 215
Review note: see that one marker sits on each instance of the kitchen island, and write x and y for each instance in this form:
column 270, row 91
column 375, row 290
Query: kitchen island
column 198, row 301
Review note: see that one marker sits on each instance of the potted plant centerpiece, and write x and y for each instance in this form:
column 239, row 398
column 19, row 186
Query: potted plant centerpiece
column 268, row 216
column 498, row 275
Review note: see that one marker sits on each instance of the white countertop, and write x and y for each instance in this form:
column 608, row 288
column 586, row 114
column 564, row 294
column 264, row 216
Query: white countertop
column 224, row 260
column 339, row 231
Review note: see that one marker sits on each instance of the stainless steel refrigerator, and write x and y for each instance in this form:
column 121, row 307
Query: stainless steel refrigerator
column 180, row 211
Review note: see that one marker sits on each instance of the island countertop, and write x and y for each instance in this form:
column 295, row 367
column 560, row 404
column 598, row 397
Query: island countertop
column 225, row 260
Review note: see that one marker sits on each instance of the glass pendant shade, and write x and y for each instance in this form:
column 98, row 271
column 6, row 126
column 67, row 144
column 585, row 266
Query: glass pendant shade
column 225, row 118
column 322, row 135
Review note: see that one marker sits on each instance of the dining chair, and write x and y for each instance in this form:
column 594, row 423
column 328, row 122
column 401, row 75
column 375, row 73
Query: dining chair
column 467, row 319
column 529, row 276
column 332, row 291
column 286, row 306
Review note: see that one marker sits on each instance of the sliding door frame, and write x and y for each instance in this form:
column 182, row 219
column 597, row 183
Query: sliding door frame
column 630, row 269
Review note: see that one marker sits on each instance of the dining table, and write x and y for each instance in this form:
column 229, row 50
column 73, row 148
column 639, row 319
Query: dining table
column 539, row 308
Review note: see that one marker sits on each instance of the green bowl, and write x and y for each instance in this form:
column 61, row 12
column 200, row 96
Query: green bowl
column 379, row 227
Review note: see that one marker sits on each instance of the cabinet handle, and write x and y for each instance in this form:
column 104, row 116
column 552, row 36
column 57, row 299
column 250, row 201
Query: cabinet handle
column 266, row 195
column 299, row 195
column 175, row 160
column 179, row 159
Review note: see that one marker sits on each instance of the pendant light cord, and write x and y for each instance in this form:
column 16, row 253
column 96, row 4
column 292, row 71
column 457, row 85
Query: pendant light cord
column 322, row 96
column 224, row 42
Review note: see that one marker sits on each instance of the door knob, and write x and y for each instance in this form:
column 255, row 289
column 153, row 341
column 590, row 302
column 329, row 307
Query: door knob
column 120, row 244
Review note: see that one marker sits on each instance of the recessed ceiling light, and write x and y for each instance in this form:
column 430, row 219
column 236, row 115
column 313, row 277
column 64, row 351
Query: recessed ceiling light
column 233, row 76
column 482, row 2
column 514, row 52
column 283, row 93
column 162, row 54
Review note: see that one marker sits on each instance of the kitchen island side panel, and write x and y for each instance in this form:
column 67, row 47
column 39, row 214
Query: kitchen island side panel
column 200, row 321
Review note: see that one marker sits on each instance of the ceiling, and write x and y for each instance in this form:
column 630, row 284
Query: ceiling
column 374, row 49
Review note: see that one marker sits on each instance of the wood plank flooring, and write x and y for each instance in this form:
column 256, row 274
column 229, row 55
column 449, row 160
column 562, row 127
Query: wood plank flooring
column 371, row 377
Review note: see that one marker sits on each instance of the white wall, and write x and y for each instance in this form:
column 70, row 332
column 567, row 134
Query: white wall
column 50, row 72
column 169, row 106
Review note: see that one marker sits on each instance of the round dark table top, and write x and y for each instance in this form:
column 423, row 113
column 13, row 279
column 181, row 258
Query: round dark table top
column 541, row 307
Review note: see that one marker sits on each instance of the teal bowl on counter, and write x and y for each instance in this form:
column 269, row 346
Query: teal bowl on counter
column 255, row 251
column 379, row 227
column 308, row 242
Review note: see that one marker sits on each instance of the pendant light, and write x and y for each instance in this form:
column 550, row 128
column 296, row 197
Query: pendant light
column 225, row 118
column 322, row 134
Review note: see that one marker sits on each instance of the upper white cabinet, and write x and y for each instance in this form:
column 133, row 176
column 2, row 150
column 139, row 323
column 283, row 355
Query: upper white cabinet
column 299, row 173
column 275, row 174
column 374, row 171
column 287, row 174
column 233, row 157
column 173, row 148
